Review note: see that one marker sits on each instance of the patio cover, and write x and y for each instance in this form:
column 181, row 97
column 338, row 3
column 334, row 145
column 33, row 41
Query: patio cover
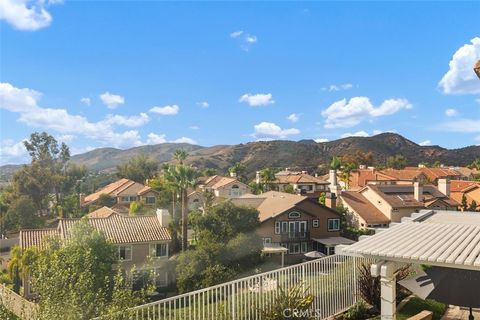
column 274, row 249
column 445, row 239
column 333, row 241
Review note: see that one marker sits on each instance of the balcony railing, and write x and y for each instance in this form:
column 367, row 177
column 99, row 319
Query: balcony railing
column 331, row 280
column 295, row 236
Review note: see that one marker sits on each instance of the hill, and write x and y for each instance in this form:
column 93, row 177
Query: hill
column 304, row 154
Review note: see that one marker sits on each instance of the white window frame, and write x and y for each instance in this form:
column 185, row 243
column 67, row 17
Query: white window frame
column 277, row 227
column 292, row 246
column 128, row 248
column 294, row 212
column 315, row 223
column 267, row 240
column 304, row 247
column 153, row 249
column 333, row 221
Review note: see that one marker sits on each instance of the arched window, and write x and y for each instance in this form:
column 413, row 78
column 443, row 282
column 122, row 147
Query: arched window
column 235, row 191
column 294, row 215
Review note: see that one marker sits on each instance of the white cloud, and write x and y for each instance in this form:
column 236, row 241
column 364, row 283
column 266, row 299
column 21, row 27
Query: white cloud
column 12, row 152
column 111, row 100
column 203, row 104
column 127, row 121
column 343, row 114
column 355, row 134
column 460, row 78
column 294, row 117
column 154, row 138
column 246, row 40
column 66, row 138
column 462, row 125
column 166, row 110
column 339, row 87
column 426, row 143
column 321, row 140
column 184, row 140
column 270, row 129
column 26, row 15
column 256, row 100
column 250, row 39
column 25, row 103
column 451, row 112
column 86, row 101
column 194, row 127
column 236, row 34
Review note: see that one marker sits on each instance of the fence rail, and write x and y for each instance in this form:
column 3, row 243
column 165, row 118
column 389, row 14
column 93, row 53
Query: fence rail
column 331, row 280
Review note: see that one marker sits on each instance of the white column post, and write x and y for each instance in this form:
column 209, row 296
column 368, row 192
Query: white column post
column 283, row 258
column 388, row 294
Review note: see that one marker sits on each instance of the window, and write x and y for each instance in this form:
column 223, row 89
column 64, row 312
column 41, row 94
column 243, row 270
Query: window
column 235, row 191
column 129, row 199
column 304, row 247
column 284, row 226
column 333, row 224
column 158, row 250
column 315, row 223
column 125, row 253
column 294, row 215
column 150, row 200
column 267, row 241
column 294, row 248
column 277, row 227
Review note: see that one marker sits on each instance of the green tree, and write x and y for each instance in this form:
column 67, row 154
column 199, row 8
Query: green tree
column 437, row 164
column 239, row 171
column 22, row 214
column 397, row 162
column 208, row 172
column 347, row 169
column 140, row 169
column 289, row 189
column 464, row 202
column 267, row 177
column 180, row 155
column 336, row 163
column 75, row 279
column 473, row 206
column 104, row 200
column 475, row 164
column 226, row 247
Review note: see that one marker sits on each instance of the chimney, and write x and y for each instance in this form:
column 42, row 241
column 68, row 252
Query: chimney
column 82, row 199
column 418, row 191
column 331, row 200
column 444, row 186
column 233, row 174
column 257, row 177
column 333, row 177
column 163, row 217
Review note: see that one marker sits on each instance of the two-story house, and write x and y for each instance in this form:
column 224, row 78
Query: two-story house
column 300, row 181
column 221, row 187
column 378, row 204
column 141, row 241
column 295, row 222
column 124, row 191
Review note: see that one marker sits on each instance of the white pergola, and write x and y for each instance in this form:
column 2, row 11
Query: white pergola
column 275, row 249
column 439, row 238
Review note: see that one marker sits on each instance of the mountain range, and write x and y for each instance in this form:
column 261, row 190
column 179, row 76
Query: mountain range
column 304, row 154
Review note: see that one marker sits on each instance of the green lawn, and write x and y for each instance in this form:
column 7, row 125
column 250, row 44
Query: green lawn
column 417, row 305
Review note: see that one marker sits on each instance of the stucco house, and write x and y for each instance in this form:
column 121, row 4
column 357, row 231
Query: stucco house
column 222, row 188
column 378, row 204
column 295, row 222
column 124, row 191
column 141, row 241
column 301, row 182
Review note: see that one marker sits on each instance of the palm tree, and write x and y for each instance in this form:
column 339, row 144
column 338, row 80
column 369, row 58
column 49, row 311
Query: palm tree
column 180, row 155
column 336, row 163
column 239, row 170
column 268, row 176
column 346, row 172
column 184, row 177
column 169, row 174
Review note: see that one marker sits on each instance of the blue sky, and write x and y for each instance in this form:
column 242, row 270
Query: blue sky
column 123, row 73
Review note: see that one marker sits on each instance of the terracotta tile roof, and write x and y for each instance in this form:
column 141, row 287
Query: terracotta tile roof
column 103, row 212
column 402, row 174
column 436, row 173
column 462, row 185
column 364, row 208
column 402, row 196
column 119, row 188
column 120, row 229
column 35, row 237
column 298, row 178
column 274, row 203
column 466, row 172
